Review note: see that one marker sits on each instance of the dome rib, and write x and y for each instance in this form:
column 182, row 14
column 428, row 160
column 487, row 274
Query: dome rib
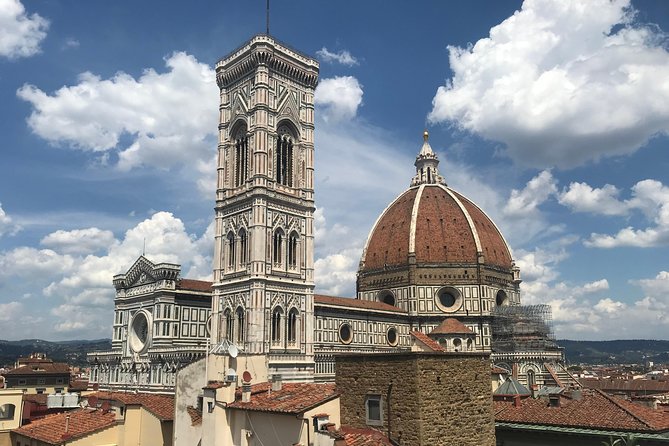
column 472, row 227
column 414, row 217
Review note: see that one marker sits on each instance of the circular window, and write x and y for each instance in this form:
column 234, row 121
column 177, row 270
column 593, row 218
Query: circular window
column 139, row 332
column 391, row 336
column 448, row 299
column 387, row 297
column 502, row 298
column 345, row 333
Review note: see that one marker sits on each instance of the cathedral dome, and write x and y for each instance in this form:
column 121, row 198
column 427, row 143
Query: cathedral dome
column 432, row 224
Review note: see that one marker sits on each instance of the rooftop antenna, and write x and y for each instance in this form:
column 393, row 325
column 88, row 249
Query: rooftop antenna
column 267, row 18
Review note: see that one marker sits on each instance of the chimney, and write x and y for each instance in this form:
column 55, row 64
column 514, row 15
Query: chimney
column 276, row 383
column 533, row 390
column 246, row 392
column 516, row 401
column 67, row 424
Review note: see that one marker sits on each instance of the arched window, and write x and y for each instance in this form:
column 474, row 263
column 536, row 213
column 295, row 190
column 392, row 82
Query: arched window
column 241, row 156
column 292, row 250
column 531, row 380
column 501, row 298
column 240, row 325
column 229, row 326
column 277, row 317
column 231, row 249
column 470, row 345
column 283, row 165
column 242, row 247
column 277, row 244
column 292, row 326
column 457, row 344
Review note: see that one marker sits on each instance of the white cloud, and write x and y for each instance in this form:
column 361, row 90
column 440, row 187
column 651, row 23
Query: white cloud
column 79, row 241
column 170, row 118
column 343, row 57
column 581, row 197
column 7, row 226
column 338, row 97
column 651, row 198
column 561, row 83
column 76, row 282
column 536, row 192
column 20, row 33
column 10, row 311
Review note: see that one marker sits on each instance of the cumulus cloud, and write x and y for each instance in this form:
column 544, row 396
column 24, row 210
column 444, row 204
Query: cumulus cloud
column 651, row 198
column 536, row 192
column 20, row 33
column 10, row 311
column 79, row 241
column 581, row 197
column 7, row 226
column 343, row 57
column 338, row 97
column 561, row 83
column 169, row 118
column 77, row 281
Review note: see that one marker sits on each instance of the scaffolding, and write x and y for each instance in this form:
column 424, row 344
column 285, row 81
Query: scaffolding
column 522, row 328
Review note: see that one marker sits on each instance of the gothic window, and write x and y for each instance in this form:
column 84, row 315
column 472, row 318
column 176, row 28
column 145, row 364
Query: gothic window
column 276, row 324
column 229, row 327
column 277, row 244
column 240, row 325
column 231, row 249
column 530, row 378
column 283, row 163
column 241, row 156
column 242, row 247
column 292, row 326
column 292, row 250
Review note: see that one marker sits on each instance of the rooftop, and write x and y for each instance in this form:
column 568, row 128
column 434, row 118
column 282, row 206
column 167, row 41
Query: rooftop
column 293, row 398
column 42, row 368
column 51, row 429
column 363, row 437
column 162, row 406
column 451, row 325
column 194, row 285
column 594, row 410
column 427, row 341
column 355, row 304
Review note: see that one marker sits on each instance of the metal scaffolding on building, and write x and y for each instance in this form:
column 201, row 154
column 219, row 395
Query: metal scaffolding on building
column 522, row 328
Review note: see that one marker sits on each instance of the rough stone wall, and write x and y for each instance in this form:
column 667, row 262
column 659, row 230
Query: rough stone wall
column 428, row 398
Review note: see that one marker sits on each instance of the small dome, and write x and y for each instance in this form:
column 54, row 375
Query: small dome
column 430, row 223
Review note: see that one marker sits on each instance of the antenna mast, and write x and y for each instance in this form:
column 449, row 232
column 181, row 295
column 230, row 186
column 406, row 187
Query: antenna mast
column 267, row 17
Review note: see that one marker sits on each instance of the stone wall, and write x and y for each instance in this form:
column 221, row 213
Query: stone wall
column 428, row 398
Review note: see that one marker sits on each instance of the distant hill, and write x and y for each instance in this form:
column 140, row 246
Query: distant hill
column 72, row 352
column 633, row 351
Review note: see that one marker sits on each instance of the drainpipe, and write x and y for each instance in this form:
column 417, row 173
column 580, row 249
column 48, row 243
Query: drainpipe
column 390, row 389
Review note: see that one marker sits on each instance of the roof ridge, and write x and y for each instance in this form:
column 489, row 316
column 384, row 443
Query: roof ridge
column 626, row 410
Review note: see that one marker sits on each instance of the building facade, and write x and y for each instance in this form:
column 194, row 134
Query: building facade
column 161, row 324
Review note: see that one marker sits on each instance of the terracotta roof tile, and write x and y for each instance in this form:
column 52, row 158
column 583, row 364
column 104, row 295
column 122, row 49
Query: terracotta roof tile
column 293, row 398
column 194, row 285
column 82, row 422
column 451, row 326
column 195, row 415
column 594, row 410
column 355, row 304
column 162, row 406
column 363, row 437
column 42, row 368
column 37, row 398
column 428, row 341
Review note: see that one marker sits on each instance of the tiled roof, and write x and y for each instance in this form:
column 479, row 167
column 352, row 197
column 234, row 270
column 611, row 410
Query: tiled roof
column 293, row 398
column 451, row 325
column 594, row 410
column 41, row 369
column 626, row 385
column 162, row 406
column 428, row 341
column 194, row 285
column 442, row 232
column 37, row 398
column 363, row 437
column 195, row 415
column 82, row 422
column 355, row 304
column 78, row 385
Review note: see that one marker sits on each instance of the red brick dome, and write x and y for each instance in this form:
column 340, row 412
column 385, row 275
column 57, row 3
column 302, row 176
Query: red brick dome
column 436, row 225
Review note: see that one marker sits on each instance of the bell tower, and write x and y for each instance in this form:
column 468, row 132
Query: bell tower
column 264, row 242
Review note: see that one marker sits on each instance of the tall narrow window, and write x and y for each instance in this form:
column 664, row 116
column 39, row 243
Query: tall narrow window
column 240, row 325
column 284, row 157
column 241, row 156
column 277, row 244
column 276, row 325
column 531, row 380
column 229, row 326
column 292, row 250
column 242, row 247
column 231, row 250
column 292, row 326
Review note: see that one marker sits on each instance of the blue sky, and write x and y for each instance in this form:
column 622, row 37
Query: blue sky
column 551, row 115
